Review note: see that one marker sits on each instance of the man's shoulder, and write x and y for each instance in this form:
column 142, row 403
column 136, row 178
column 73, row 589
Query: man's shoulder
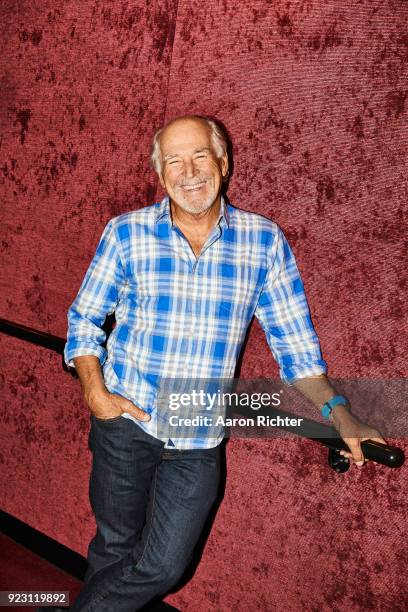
column 249, row 220
column 141, row 216
column 135, row 220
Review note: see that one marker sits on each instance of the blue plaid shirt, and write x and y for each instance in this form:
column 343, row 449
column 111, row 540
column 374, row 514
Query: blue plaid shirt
column 178, row 315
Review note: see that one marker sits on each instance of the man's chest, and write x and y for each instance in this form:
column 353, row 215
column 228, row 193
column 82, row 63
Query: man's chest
column 224, row 280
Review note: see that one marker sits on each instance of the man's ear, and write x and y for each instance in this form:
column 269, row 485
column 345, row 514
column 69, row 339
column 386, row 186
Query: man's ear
column 161, row 180
column 224, row 166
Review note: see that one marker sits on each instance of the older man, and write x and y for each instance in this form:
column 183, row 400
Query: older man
column 184, row 278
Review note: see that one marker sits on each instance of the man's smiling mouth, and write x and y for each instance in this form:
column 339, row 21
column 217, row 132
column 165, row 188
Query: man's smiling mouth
column 195, row 187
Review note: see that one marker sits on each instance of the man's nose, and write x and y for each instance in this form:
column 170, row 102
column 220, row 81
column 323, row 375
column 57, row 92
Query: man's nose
column 189, row 168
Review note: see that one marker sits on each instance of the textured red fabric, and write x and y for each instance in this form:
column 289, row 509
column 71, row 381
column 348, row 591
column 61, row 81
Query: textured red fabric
column 314, row 97
column 83, row 85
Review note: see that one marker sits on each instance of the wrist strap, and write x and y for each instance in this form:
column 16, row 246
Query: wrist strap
column 327, row 408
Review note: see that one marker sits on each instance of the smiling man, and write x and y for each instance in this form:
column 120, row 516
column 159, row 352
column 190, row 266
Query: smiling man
column 184, row 278
column 192, row 163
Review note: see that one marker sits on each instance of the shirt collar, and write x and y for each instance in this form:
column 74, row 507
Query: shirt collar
column 164, row 211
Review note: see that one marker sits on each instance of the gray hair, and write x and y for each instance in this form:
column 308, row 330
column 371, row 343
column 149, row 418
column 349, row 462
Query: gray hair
column 217, row 136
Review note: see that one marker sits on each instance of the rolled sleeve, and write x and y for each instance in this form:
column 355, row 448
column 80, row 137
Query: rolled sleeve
column 284, row 315
column 96, row 298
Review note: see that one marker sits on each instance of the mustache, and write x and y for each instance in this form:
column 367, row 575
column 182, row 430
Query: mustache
column 197, row 181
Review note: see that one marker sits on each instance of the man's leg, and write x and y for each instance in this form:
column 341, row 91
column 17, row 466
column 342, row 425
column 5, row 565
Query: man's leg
column 123, row 465
column 184, row 489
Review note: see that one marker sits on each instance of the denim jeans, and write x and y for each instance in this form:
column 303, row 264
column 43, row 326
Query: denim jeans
column 150, row 504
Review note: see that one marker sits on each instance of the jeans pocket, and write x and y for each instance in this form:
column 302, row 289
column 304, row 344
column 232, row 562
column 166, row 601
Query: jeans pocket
column 112, row 420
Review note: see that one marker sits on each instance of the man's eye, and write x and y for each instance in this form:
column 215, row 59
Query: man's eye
column 201, row 156
column 174, row 161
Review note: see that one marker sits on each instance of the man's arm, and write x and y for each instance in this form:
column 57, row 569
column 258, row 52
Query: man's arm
column 97, row 297
column 284, row 315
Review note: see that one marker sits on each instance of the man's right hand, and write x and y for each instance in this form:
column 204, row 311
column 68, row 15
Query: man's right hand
column 106, row 405
column 102, row 403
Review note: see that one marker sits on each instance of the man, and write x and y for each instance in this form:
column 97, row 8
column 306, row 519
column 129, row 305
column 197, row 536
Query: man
column 184, row 278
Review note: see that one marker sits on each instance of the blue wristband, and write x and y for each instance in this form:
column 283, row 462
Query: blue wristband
column 332, row 403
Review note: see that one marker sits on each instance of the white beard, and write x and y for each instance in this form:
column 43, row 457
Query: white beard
column 194, row 208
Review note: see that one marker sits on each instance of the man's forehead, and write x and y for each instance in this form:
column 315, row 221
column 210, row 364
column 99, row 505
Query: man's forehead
column 185, row 132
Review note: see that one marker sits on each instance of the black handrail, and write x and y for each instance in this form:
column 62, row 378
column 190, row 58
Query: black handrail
column 328, row 436
column 53, row 343
column 39, row 338
column 381, row 453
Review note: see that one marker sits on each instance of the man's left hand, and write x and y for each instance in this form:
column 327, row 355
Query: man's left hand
column 353, row 432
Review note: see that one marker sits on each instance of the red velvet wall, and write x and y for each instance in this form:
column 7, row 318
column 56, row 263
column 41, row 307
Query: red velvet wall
column 314, row 96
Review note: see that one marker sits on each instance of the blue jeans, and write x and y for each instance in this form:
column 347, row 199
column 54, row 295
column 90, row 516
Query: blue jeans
column 150, row 505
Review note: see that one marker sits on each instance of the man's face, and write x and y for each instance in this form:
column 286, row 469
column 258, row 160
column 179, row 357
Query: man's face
column 191, row 173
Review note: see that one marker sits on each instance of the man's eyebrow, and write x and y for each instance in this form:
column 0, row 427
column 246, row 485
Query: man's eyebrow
column 171, row 155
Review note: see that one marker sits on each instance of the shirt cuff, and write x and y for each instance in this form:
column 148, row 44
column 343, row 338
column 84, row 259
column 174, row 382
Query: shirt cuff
column 99, row 352
column 290, row 375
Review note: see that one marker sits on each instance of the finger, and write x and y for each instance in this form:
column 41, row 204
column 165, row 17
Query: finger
column 131, row 408
column 137, row 412
column 356, row 452
column 379, row 439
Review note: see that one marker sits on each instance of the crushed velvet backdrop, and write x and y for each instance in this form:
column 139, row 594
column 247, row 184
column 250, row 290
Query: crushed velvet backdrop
column 314, row 94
